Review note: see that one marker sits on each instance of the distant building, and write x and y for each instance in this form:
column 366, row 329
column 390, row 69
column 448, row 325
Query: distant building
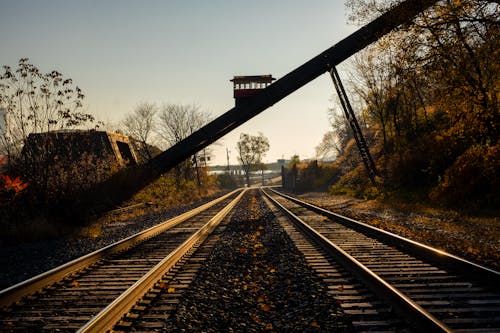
column 71, row 144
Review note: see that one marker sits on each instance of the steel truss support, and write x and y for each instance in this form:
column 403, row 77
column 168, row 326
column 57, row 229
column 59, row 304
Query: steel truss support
column 353, row 122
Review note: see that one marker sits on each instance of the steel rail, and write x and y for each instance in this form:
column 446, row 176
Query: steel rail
column 403, row 305
column 464, row 267
column 16, row 292
column 109, row 316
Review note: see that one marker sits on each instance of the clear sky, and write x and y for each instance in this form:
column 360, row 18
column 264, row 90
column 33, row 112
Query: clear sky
column 123, row 52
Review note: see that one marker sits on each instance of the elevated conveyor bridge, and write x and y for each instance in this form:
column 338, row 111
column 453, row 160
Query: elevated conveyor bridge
column 130, row 181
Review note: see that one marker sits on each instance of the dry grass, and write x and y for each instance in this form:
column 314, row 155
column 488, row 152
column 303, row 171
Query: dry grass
column 162, row 194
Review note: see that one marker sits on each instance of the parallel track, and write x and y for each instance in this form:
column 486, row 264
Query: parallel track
column 381, row 281
column 441, row 292
column 67, row 297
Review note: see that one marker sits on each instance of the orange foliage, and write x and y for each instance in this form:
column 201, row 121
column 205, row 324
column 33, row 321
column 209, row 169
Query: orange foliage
column 12, row 184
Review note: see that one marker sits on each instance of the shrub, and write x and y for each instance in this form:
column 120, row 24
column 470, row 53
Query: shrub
column 226, row 181
column 473, row 180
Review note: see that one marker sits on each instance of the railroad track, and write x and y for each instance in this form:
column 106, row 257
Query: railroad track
column 67, row 297
column 381, row 282
column 426, row 288
column 249, row 237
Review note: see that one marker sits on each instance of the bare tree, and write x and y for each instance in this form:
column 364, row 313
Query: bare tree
column 329, row 147
column 36, row 102
column 251, row 149
column 177, row 122
column 140, row 125
column 33, row 104
column 335, row 140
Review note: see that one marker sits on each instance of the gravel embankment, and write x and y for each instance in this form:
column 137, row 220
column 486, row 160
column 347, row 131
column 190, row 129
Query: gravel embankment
column 474, row 238
column 256, row 280
column 26, row 260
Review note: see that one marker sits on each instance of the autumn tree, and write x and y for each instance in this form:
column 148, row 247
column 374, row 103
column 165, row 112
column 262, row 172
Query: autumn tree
column 462, row 44
column 431, row 90
column 251, row 149
column 140, row 126
column 447, row 59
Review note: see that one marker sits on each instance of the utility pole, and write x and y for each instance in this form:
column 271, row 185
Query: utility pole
column 227, row 155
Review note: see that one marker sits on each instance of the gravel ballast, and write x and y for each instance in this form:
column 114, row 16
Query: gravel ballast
column 25, row 260
column 255, row 279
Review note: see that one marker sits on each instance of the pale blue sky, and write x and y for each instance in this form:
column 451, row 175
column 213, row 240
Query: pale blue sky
column 123, row 52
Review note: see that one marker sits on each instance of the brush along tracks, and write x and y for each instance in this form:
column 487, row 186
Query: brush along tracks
column 430, row 289
column 67, row 297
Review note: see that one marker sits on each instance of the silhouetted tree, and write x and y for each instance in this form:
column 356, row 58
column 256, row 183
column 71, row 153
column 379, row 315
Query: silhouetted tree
column 36, row 102
column 176, row 122
column 140, row 125
column 251, row 149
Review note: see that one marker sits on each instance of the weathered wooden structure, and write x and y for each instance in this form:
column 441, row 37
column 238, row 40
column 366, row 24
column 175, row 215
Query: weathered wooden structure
column 70, row 145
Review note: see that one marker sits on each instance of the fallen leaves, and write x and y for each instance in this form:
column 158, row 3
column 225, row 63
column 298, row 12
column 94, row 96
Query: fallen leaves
column 474, row 238
column 257, row 274
column 265, row 307
column 164, row 286
column 314, row 324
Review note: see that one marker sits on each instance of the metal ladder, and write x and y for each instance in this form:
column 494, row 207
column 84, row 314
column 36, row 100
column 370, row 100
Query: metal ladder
column 356, row 130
